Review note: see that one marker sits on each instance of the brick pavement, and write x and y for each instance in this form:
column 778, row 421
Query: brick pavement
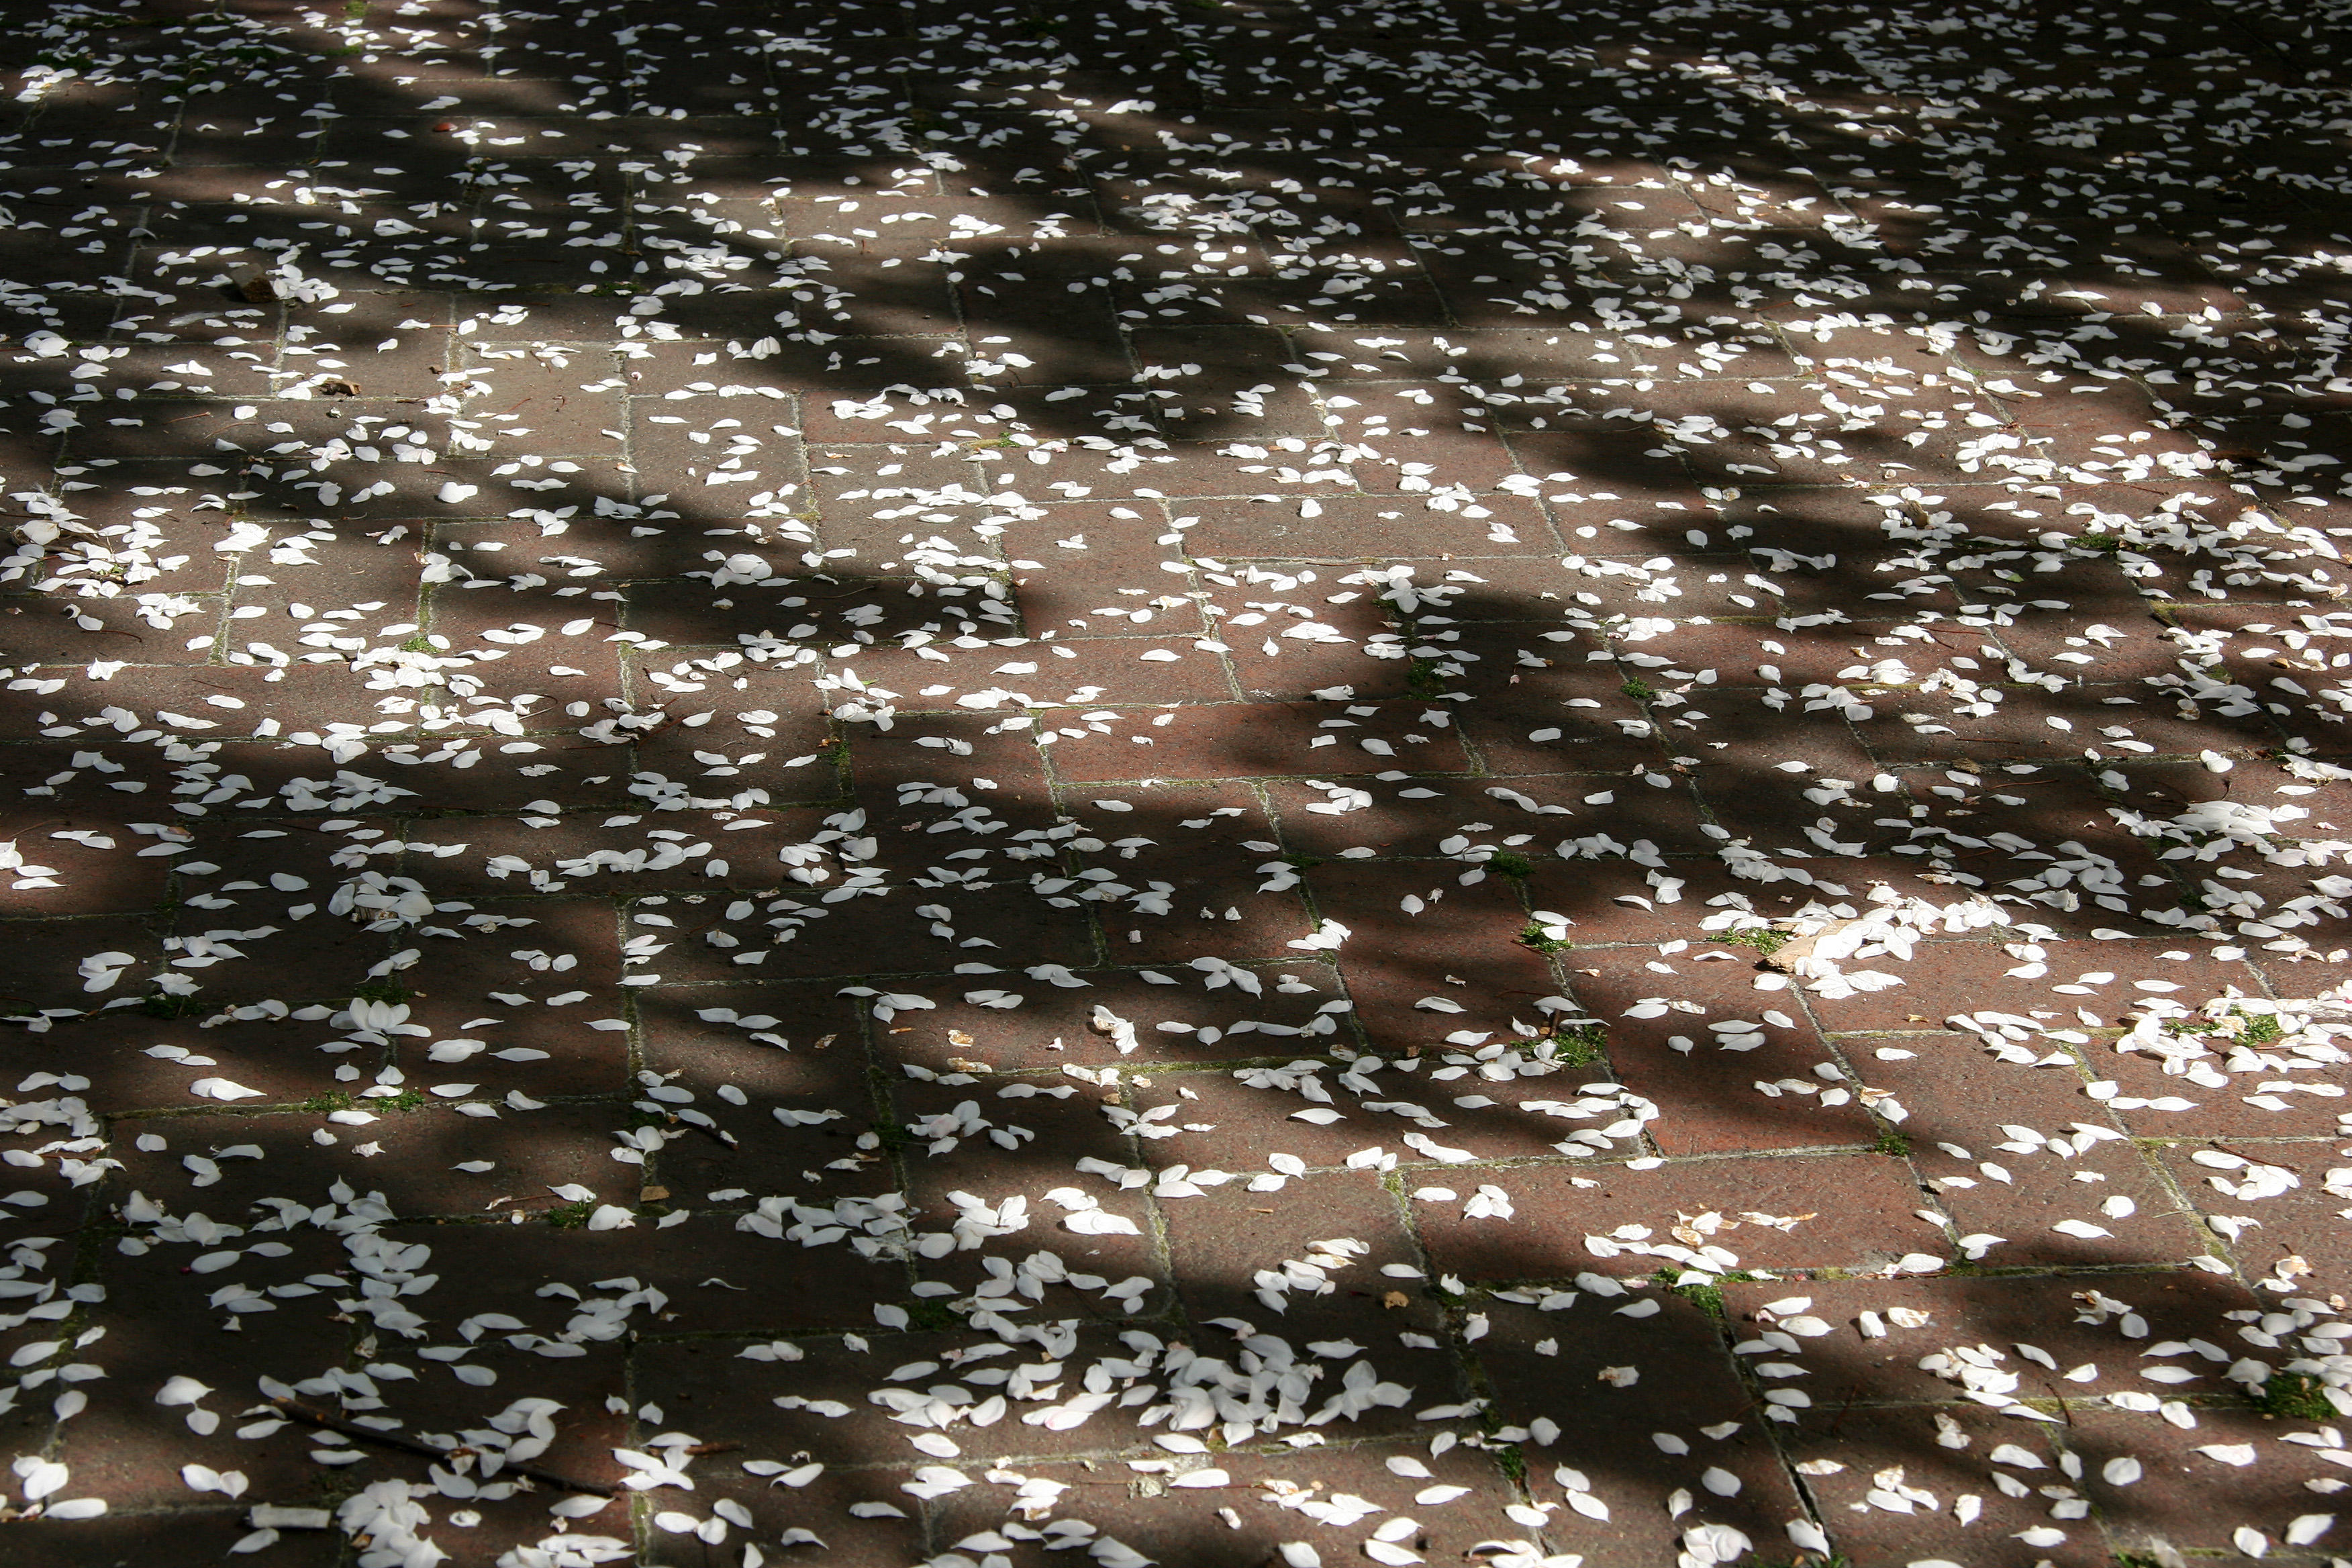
column 1211, row 782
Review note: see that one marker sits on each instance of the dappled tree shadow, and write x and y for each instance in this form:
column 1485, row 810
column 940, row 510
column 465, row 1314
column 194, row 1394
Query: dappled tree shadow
column 780, row 687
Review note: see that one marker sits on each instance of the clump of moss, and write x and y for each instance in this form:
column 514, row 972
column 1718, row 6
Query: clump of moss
column 1894, row 1144
column 1582, row 1046
column 1639, row 689
column 570, row 1216
column 1707, row 1299
column 1504, row 863
column 164, row 1004
column 1535, row 937
column 2261, row 1028
column 386, row 990
column 321, row 1104
column 407, row 1099
column 930, row 1314
column 1766, row 940
column 2294, row 1395
column 1706, row 1296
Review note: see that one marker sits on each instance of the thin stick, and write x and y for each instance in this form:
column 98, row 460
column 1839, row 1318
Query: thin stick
column 357, row 1433
column 2249, row 1159
column 1852, row 1394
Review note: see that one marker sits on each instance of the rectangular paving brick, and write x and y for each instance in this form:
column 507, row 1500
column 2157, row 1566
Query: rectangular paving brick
column 1869, row 1226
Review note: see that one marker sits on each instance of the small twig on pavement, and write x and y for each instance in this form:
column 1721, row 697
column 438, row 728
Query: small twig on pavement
column 296, row 1411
